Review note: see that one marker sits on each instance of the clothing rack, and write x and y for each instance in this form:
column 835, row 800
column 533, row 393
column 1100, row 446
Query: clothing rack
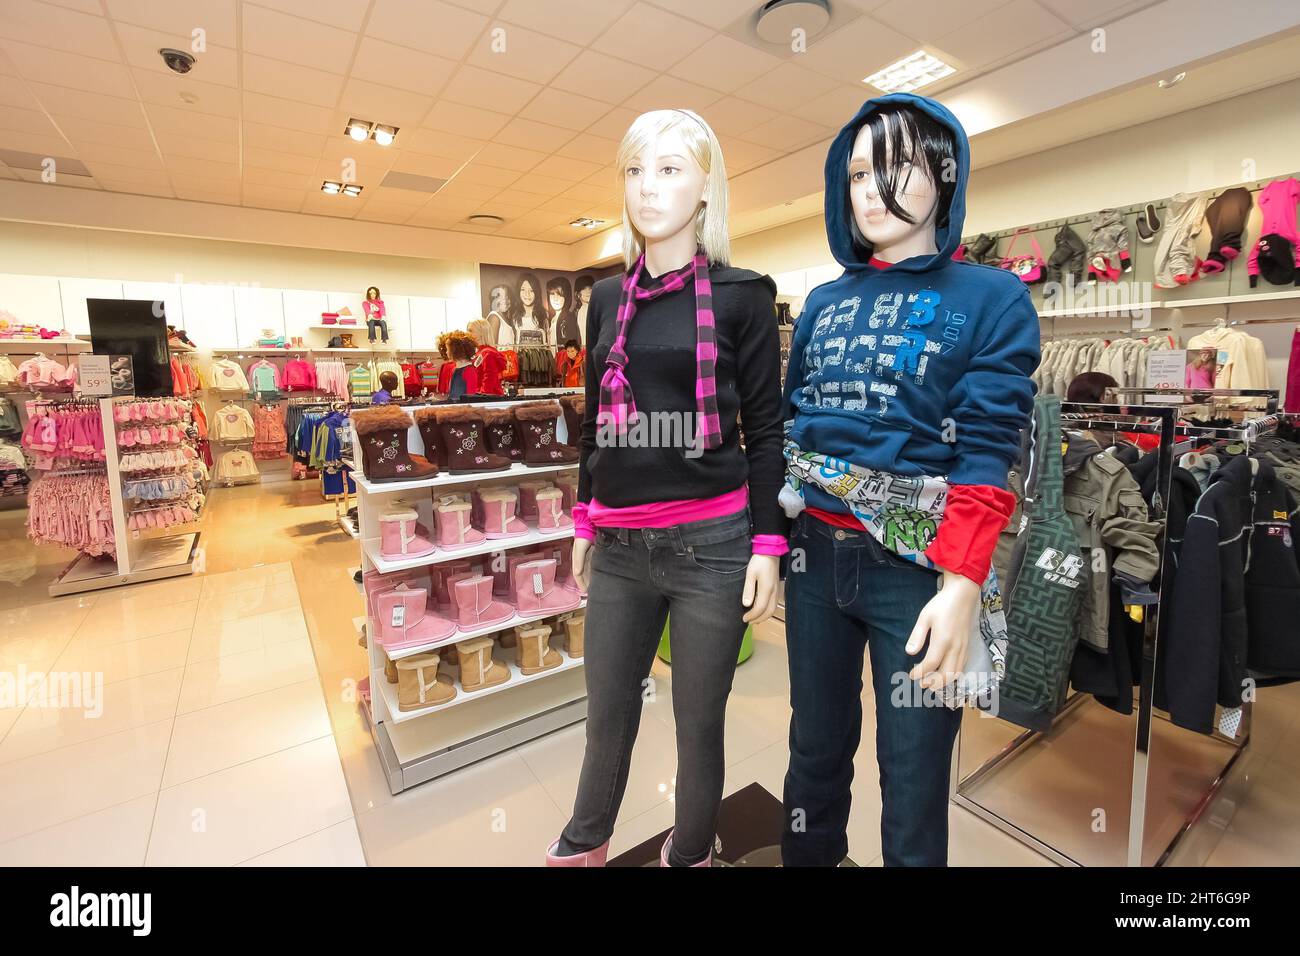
column 1021, row 814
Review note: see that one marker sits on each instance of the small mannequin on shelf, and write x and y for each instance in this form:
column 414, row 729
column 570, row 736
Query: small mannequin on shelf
column 376, row 314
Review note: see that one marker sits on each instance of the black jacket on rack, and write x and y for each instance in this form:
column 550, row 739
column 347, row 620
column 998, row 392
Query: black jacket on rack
column 1236, row 600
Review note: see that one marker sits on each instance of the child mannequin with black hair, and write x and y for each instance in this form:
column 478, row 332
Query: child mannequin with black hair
column 907, row 389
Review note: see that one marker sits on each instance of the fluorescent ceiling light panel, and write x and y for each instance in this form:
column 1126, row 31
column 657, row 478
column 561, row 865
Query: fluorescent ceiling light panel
column 910, row 73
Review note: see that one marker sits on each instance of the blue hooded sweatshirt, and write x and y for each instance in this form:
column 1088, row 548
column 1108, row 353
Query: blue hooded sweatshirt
column 919, row 369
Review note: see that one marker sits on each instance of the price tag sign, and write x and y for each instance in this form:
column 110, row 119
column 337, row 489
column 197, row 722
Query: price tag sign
column 1166, row 368
column 104, row 375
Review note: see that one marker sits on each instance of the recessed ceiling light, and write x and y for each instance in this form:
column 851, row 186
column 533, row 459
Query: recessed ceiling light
column 358, row 130
column 910, row 73
column 778, row 19
column 330, row 187
column 352, row 190
column 1171, row 82
column 583, row 222
column 486, row 219
column 384, row 134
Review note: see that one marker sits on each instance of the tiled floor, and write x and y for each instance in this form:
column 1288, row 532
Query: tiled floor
column 230, row 732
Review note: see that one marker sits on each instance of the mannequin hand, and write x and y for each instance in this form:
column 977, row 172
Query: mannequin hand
column 947, row 618
column 761, row 578
column 582, row 566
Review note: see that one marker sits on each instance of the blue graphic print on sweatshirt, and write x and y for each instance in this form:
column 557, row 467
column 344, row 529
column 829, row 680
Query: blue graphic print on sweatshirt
column 919, row 369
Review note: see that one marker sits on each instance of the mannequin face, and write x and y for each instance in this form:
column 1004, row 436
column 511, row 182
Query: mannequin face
column 663, row 188
column 916, row 194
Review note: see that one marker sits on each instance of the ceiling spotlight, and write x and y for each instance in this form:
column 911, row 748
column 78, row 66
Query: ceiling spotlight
column 486, row 219
column 778, row 19
column 384, row 134
column 351, row 190
column 1171, row 82
column 910, row 73
column 330, row 187
column 358, row 130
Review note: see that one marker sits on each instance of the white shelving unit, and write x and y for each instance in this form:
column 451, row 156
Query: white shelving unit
column 64, row 344
column 419, row 745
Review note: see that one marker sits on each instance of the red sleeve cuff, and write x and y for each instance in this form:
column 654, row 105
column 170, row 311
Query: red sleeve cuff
column 972, row 520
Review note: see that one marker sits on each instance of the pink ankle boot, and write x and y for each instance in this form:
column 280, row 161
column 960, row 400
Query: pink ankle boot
column 536, row 591
column 663, row 854
column 499, row 519
column 399, row 537
column 475, row 608
column 528, row 496
column 550, row 513
column 454, row 529
column 405, row 621
column 594, row 857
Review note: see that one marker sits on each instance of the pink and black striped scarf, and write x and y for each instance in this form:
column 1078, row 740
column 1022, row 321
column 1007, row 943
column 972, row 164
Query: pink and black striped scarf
column 616, row 402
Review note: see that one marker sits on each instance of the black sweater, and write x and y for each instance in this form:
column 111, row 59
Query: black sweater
column 661, row 371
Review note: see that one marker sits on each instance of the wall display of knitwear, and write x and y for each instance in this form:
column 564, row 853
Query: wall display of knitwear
column 524, row 306
column 111, row 472
column 464, row 515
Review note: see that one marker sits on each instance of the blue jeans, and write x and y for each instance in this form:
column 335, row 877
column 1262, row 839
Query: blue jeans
column 853, row 595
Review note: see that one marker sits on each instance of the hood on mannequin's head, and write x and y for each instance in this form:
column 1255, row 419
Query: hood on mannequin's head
column 839, row 210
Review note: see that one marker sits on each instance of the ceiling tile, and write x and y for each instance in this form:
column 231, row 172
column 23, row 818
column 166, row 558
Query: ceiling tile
column 926, row 20
column 345, row 165
column 740, row 155
column 384, row 104
column 385, row 212
column 438, row 167
column 291, row 81
column 857, row 50
column 565, row 206
column 569, row 110
column 489, row 90
column 589, row 192
column 486, row 175
column 85, row 6
column 533, row 135
column 725, row 64
column 81, row 130
column 580, row 21
column 464, row 120
column 188, row 166
column 137, row 189
column 273, row 111
column 36, row 143
column 787, row 87
column 426, row 25
column 713, row 13
column 305, row 42
column 58, row 28
column 345, row 14
column 216, row 64
column 786, row 133
column 1089, row 15
column 667, row 92
column 523, row 54
column 402, row 67
column 338, row 207
column 477, row 192
column 166, row 90
column 1017, row 26
column 563, row 167
column 645, row 30
column 602, row 77
column 111, row 172
column 731, row 116
column 837, row 107
column 262, row 136
column 17, row 94
column 591, row 148
column 509, row 157
column 193, row 123
column 279, row 179
column 389, row 195
column 60, row 101
column 43, row 65
column 271, row 197
column 26, row 121
column 440, row 144
column 547, row 187
column 138, row 158
column 278, row 161
column 215, row 17
column 64, row 180
column 614, row 124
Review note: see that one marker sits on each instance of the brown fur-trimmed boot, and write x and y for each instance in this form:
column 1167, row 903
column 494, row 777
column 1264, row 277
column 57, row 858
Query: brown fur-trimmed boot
column 536, row 422
column 384, row 454
column 461, row 431
column 426, row 419
column 575, row 409
column 501, row 435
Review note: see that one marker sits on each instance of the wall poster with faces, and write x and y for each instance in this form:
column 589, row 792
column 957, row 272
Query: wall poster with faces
column 525, row 306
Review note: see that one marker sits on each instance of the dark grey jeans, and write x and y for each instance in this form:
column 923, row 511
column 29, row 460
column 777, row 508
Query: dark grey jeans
column 696, row 572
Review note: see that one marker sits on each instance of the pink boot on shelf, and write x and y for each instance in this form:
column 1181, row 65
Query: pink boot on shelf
column 562, row 552
column 550, row 514
column 454, row 529
column 453, row 606
column 663, row 854
column 513, row 560
column 528, row 496
column 404, row 619
column 568, row 485
column 373, row 581
column 536, row 591
column 475, row 608
column 594, row 857
column 499, row 519
column 399, row 536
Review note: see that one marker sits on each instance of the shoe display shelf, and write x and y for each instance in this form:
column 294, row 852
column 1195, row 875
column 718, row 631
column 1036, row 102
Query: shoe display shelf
column 419, row 745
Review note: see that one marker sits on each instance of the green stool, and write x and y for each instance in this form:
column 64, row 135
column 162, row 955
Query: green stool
column 746, row 646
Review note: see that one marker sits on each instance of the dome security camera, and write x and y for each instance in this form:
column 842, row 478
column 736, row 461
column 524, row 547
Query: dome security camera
column 178, row 61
